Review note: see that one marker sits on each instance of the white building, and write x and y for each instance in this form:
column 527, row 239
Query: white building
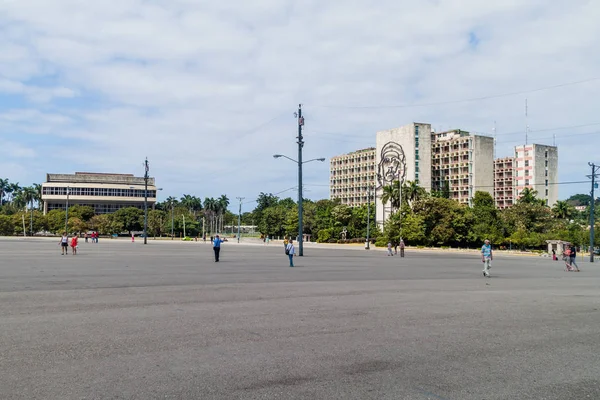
column 351, row 175
column 536, row 167
column 105, row 193
column 462, row 163
column 403, row 154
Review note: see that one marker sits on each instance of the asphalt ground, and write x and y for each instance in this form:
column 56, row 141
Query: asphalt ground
column 164, row 321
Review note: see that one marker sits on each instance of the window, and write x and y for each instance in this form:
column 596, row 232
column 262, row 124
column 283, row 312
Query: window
column 546, row 155
column 527, row 163
column 546, row 182
column 526, row 182
column 546, row 193
column 546, row 163
column 546, row 173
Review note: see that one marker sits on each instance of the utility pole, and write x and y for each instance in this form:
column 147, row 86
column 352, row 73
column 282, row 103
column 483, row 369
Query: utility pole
column 146, row 201
column 172, row 220
column 594, row 175
column 368, row 244
column 67, row 213
column 239, row 218
column 300, row 198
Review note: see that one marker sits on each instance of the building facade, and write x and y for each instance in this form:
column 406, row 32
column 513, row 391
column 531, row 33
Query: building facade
column 351, row 175
column 402, row 154
column 105, row 193
column 462, row 164
column 536, row 167
column 504, row 182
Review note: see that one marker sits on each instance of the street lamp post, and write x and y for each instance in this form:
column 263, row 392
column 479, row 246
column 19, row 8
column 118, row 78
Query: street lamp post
column 146, row 201
column 67, row 212
column 368, row 244
column 300, row 208
column 239, row 218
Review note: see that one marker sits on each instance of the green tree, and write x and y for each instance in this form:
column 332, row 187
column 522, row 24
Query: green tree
column 157, row 221
column 486, row 220
column 56, row 221
column 102, row 223
column 563, row 210
column 4, row 186
column 131, row 218
column 85, row 213
column 391, row 195
column 7, row 226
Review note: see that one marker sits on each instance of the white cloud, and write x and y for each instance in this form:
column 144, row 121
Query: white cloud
column 184, row 82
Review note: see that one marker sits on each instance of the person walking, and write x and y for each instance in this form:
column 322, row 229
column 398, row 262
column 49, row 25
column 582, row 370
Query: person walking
column 217, row 247
column 389, row 249
column 554, row 258
column 486, row 257
column 86, row 237
column 573, row 257
column 64, row 244
column 74, row 243
column 402, row 248
column 290, row 251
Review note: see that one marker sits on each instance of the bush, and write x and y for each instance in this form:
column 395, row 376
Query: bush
column 332, row 240
column 381, row 242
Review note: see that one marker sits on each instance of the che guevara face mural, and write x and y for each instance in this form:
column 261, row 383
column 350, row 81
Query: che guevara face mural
column 392, row 166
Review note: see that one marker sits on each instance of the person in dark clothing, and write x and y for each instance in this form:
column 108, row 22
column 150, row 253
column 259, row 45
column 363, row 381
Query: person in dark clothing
column 217, row 247
column 573, row 257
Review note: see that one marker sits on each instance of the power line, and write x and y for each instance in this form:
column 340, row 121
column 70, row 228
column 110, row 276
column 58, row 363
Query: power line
column 463, row 100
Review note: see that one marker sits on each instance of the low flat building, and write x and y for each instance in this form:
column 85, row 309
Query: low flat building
column 105, row 193
column 351, row 175
column 504, row 182
column 462, row 164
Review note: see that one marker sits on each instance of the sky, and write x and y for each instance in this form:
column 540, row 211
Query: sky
column 206, row 90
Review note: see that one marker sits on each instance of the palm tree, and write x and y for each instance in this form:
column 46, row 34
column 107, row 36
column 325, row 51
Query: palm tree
column 28, row 194
column 391, row 195
column 188, row 202
column 38, row 195
column 210, row 208
column 3, row 188
column 563, row 210
column 223, row 203
column 529, row 196
column 13, row 189
column 412, row 192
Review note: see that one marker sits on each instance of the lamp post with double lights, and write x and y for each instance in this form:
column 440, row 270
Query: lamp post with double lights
column 300, row 207
column 67, row 212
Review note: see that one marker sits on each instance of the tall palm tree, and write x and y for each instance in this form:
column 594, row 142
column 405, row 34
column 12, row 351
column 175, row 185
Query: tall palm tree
column 529, row 196
column 563, row 210
column 38, row 195
column 210, row 208
column 13, row 190
column 3, row 188
column 223, row 203
column 188, row 202
column 413, row 191
column 391, row 195
column 28, row 195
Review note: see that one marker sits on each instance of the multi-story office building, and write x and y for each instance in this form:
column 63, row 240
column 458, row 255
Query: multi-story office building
column 351, row 176
column 403, row 154
column 462, row 164
column 106, row 193
column 536, row 167
column 504, row 182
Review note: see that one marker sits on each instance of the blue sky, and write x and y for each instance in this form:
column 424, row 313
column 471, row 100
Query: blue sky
column 207, row 90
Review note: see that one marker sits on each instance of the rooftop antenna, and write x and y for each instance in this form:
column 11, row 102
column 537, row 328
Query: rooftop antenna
column 554, row 140
column 494, row 139
column 526, row 124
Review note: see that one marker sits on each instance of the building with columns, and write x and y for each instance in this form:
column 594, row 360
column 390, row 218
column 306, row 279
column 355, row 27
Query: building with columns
column 105, row 193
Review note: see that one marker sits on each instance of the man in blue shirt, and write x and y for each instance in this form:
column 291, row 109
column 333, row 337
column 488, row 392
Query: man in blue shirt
column 217, row 247
column 486, row 258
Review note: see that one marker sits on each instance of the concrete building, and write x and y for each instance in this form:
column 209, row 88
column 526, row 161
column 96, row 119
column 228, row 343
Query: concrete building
column 351, row 175
column 106, row 193
column 504, row 182
column 462, row 164
column 536, row 167
column 403, row 154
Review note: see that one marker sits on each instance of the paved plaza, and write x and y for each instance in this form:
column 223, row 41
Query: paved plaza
column 164, row 321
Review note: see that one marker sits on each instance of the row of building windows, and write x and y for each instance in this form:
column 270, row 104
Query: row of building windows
column 98, row 208
column 106, row 192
